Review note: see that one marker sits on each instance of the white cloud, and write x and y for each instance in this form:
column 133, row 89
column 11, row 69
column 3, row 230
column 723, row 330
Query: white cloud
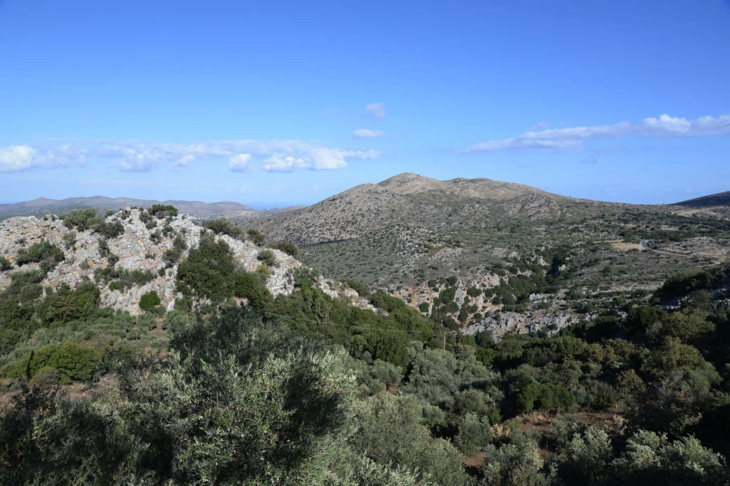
column 376, row 110
column 367, row 133
column 133, row 156
column 240, row 162
column 571, row 139
column 16, row 157
column 282, row 163
column 317, row 159
column 184, row 161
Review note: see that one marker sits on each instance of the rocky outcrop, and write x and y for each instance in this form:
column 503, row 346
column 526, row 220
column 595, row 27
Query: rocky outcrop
column 512, row 322
column 140, row 247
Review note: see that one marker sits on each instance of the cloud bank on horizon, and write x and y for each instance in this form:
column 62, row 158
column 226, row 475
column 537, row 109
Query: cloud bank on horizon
column 572, row 139
column 134, row 156
column 296, row 155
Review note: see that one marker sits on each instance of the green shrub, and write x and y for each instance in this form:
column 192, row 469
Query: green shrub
column 86, row 219
column 267, row 257
column 263, row 271
column 149, row 301
column 40, row 252
column 5, row 264
column 109, row 230
column 162, row 211
column 358, row 287
column 207, row 271
column 82, row 219
column 599, row 395
column 65, row 305
column 473, row 292
column 249, row 286
column 121, row 279
column 69, row 239
column 256, row 237
column 223, row 226
column 390, row 431
column 546, row 396
column 73, row 361
column 45, row 376
column 670, row 357
column 684, row 283
column 288, row 247
column 474, row 434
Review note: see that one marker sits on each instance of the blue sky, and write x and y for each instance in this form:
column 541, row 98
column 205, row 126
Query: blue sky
column 278, row 103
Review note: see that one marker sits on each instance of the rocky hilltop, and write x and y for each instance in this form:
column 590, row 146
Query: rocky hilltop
column 141, row 245
column 416, row 202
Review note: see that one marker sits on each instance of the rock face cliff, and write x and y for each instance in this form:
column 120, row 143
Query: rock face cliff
column 140, row 247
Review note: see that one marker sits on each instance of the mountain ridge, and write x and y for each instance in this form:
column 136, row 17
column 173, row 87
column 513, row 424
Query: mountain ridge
column 711, row 200
column 42, row 205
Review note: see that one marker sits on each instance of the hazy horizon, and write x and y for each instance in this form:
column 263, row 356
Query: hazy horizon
column 258, row 205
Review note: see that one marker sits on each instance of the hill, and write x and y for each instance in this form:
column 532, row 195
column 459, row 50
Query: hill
column 462, row 250
column 417, row 202
column 712, row 200
column 43, row 206
column 141, row 345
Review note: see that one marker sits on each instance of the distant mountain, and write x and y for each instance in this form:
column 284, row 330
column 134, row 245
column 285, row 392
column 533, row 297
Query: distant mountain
column 42, row 206
column 713, row 200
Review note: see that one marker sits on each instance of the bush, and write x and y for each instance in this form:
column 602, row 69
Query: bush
column 149, row 301
column 86, row 219
column 40, row 252
column 82, row 219
column 69, row 239
column 46, row 376
column 73, row 361
column 207, row 270
column 288, row 247
column 66, row 305
column 652, row 459
column 474, row 434
column 5, row 264
column 172, row 255
column 390, row 431
column 121, row 279
column 546, row 396
column 222, row 226
column 267, row 257
column 256, row 237
column 358, row 287
column 600, row 395
column 109, row 230
column 514, row 464
column 249, row 286
column 162, row 211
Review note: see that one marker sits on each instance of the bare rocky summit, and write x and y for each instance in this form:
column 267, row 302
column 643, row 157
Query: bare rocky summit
column 416, row 202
